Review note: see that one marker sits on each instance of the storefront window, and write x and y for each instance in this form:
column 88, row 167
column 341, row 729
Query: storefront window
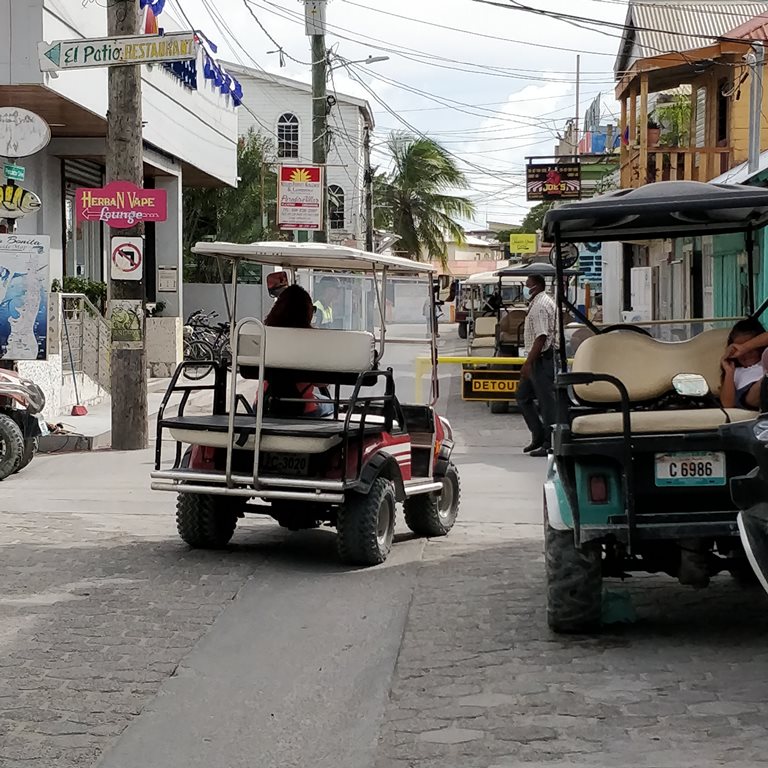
column 84, row 245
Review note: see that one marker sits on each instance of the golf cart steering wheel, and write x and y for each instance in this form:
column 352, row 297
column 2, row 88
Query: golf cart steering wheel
column 626, row 327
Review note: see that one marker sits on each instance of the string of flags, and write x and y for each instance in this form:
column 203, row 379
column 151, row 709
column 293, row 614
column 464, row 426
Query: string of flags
column 186, row 71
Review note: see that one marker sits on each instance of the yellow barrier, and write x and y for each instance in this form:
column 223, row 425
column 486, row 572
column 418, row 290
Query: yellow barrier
column 424, row 365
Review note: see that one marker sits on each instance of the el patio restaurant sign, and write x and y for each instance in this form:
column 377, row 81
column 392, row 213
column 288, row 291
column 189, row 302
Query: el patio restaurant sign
column 556, row 181
column 121, row 205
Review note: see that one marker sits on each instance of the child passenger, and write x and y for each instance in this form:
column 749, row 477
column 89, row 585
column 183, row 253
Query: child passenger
column 742, row 365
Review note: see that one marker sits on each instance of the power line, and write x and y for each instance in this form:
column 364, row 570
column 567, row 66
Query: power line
column 274, row 42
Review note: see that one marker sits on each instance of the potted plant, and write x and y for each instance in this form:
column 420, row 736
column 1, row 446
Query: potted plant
column 653, row 132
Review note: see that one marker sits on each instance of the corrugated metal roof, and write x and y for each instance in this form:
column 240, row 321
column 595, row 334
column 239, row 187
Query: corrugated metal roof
column 755, row 29
column 653, row 28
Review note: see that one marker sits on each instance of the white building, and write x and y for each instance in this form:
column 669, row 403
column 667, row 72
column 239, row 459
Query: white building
column 190, row 139
column 284, row 110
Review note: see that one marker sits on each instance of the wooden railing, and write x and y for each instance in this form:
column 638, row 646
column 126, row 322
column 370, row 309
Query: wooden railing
column 673, row 164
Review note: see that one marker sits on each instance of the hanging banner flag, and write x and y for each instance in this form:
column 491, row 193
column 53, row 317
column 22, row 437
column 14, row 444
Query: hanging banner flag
column 121, row 205
column 300, row 197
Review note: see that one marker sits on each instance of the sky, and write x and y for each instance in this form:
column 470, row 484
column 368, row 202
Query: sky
column 491, row 84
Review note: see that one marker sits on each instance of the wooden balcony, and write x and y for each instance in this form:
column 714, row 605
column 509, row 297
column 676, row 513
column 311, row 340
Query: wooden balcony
column 645, row 165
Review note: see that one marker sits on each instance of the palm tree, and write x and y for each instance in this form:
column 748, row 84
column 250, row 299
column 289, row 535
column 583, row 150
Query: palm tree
column 412, row 199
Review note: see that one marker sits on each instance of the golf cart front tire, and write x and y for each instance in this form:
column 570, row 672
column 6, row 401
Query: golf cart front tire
column 366, row 524
column 574, row 583
column 434, row 514
column 12, row 446
column 203, row 522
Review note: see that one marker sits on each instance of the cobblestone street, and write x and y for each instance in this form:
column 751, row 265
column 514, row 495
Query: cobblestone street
column 114, row 635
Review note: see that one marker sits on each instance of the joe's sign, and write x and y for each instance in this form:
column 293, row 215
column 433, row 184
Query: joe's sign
column 121, row 205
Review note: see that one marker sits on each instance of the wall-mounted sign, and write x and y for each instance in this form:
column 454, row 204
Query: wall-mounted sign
column 127, row 258
column 553, row 181
column 121, row 205
column 112, row 51
column 13, row 172
column 126, row 321
column 24, row 262
column 16, row 201
column 22, row 133
column 167, row 279
column 519, row 243
column 300, row 197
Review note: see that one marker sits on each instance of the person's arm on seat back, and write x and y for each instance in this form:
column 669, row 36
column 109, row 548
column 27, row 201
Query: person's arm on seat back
column 728, row 387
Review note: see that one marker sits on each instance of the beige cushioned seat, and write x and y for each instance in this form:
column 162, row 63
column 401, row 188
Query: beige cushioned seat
column 314, row 350
column 658, row 422
column 646, row 367
column 510, row 326
column 485, row 333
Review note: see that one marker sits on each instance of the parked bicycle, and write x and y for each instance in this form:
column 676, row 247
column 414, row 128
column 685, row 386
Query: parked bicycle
column 206, row 342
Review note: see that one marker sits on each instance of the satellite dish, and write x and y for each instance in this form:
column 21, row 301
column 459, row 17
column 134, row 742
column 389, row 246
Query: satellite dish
column 569, row 255
column 22, row 133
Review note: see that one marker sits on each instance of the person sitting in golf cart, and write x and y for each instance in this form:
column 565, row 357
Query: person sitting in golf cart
column 742, row 365
column 294, row 309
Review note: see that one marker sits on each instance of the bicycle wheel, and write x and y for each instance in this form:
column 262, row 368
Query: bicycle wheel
column 198, row 350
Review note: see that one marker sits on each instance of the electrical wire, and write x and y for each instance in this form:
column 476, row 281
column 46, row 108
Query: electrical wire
column 274, row 42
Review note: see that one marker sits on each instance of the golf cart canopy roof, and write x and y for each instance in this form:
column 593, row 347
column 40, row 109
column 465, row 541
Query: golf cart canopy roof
column 492, row 278
column 319, row 256
column 543, row 269
column 661, row 209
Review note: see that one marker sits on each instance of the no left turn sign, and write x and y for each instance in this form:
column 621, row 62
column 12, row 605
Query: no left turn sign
column 127, row 258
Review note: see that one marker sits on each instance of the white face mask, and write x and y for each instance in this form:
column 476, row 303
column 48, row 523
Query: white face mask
column 526, row 293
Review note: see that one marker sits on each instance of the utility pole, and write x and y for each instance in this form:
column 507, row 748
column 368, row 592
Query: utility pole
column 125, row 163
column 368, row 181
column 315, row 29
column 576, row 124
column 756, row 61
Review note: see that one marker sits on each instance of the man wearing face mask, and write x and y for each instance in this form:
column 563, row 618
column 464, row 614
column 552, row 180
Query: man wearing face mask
column 537, row 376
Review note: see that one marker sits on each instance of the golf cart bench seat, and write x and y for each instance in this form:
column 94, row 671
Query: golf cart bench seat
column 511, row 325
column 658, row 422
column 277, row 435
column 484, row 334
column 305, row 355
column 646, row 367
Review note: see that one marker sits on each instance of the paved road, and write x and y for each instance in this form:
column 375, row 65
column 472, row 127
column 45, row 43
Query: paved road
column 120, row 647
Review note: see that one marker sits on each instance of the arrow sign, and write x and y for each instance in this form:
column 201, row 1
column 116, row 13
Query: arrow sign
column 54, row 54
column 117, row 51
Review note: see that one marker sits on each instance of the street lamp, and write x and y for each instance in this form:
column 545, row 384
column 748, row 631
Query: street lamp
column 370, row 60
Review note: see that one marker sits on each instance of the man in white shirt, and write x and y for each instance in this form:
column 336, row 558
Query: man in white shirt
column 537, row 376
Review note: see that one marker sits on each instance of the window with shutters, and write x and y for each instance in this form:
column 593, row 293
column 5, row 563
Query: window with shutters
column 335, row 207
column 288, row 136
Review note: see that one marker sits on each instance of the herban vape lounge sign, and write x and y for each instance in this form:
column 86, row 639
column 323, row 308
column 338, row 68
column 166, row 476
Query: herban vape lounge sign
column 121, row 205
column 553, row 181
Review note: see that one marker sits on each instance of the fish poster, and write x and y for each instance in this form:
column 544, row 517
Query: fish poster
column 24, row 265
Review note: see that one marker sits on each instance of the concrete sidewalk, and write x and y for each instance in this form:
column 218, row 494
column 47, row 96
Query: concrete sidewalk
column 94, row 431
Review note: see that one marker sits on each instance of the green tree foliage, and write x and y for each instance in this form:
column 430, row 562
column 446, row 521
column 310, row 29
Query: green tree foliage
column 413, row 201
column 231, row 214
column 534, row 219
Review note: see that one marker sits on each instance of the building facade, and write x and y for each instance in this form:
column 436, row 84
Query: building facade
column 190, row 139
column 281, row 109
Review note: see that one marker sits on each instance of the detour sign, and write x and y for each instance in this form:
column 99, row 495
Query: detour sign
column 490, row 384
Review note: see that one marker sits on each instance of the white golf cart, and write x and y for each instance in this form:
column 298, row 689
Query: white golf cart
column 349, row 468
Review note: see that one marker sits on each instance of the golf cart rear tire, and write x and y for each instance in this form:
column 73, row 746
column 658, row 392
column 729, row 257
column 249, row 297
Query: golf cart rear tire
column 423, row 512
column 13, row 446
column 462, row 330
column 360, row 540
column 499, row 406
column 202, row 521
column 31, row 445
column 574, row 583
